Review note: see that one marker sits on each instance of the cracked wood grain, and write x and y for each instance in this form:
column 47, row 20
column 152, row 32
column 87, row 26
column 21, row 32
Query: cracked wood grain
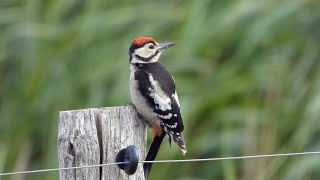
column 96, row 135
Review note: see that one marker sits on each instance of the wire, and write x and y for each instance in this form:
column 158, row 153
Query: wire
column 166, row 161
column 231, row 158
column 58, row 169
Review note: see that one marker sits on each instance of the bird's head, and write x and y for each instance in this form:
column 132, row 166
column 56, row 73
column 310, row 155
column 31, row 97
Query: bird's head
column 146, row 50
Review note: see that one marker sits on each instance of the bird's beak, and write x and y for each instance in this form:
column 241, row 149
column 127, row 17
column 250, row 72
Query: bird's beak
column 164, row 46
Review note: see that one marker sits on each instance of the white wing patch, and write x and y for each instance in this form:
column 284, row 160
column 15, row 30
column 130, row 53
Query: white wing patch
column 175, row 96
column 168, row 116
column 172, row 126
column 159, row 97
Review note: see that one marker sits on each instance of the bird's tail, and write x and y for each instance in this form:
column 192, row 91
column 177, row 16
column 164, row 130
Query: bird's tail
column 179, row 140
column 158, row 134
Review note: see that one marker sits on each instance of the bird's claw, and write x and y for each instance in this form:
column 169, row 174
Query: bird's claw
column 130, row 104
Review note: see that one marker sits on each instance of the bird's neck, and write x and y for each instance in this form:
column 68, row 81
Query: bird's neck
column 137, row 59
column 142, row 65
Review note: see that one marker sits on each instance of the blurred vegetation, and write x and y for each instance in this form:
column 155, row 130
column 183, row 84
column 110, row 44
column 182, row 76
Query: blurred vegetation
column 247, row 72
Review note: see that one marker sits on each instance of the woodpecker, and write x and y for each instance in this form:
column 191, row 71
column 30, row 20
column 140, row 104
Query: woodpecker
column 153, row 93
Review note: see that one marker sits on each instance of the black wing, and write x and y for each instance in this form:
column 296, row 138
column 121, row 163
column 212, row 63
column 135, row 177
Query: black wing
column 161, row 95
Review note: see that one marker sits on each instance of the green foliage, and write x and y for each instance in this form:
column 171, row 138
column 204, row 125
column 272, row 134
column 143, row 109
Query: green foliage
column 248, row 77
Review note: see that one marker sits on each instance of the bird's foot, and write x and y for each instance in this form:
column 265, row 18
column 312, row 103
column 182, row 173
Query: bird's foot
column 130, row 104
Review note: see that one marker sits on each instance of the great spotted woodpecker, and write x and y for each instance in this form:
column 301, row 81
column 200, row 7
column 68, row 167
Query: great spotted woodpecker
column 153, row 92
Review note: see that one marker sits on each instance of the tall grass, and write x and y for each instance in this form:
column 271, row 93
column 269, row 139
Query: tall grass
column 247, row 72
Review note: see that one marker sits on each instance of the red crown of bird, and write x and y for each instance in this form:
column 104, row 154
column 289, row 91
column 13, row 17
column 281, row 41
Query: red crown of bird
column 141, row 41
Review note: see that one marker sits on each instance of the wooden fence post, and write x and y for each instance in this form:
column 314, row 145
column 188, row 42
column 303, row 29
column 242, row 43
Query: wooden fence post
column 95, row 136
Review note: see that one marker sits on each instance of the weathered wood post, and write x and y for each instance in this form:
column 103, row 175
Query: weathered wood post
column 95, row 136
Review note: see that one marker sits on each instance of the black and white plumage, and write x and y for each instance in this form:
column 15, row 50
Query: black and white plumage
column 153, row 93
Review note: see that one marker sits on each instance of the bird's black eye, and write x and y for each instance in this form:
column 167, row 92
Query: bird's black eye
column 151, row 46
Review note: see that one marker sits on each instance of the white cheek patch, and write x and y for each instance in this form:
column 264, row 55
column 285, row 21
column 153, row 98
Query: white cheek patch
column 144, row 52
column 159, row 97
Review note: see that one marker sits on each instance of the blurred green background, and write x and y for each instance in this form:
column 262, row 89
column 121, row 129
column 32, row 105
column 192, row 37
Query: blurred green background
column 247, row 74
